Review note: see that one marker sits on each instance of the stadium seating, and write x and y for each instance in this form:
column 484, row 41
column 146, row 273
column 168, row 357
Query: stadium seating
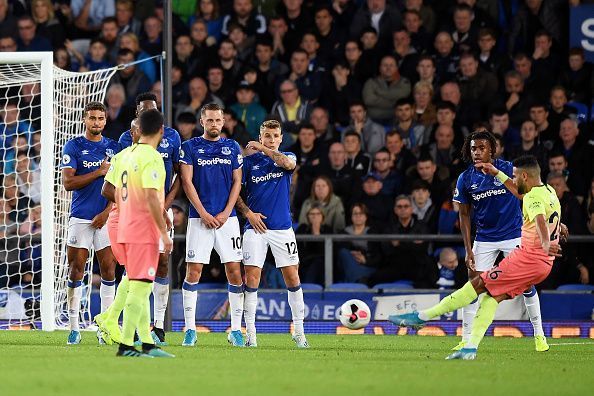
column 576, row 287
column 347, row 286
column 395, row 285
column 311, row 286
column 582, row 111
column 211, row 286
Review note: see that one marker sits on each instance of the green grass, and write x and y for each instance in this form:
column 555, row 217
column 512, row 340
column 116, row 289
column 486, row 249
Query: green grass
column 37, row 363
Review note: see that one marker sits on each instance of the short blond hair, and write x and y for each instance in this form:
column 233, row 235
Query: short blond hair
column 270, row 124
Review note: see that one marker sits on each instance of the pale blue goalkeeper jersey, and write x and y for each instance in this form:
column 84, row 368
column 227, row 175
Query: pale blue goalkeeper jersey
column 496, row 211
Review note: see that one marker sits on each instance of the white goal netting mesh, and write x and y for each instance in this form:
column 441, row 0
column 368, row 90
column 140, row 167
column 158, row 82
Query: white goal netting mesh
column 21, row 206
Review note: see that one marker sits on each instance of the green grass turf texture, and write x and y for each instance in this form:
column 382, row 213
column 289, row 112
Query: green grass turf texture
column 38, row 363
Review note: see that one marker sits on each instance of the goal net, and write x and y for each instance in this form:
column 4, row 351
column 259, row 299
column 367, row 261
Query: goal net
column 41, row 108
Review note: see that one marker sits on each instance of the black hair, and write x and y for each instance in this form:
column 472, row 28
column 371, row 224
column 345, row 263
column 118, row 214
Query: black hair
column 186, row 118
column 145, row 96
column 405, row 101
column 94, row 106
column 528, row 162
column 151, row 122
column 445, row 104
column 478, row 135
column 352, row 133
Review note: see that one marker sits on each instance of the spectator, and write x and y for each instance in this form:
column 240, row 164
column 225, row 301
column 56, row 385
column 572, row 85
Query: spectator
column 425, row 12
column 401, row 158
column 186, row 126
column 379, row 205
column 588, row 205
column 118, row 114
column 476, row 84
column 391, row 180
column 133, row 80
column 208, row 13
column 383, row 18
column 7, row 43
column 291, row 109
column 357, row 260
column 179, row 88
column 489, row 58
column 89, row 14
column 322, row 195
column 311, row 254
column 423, row 206
column 426, row 170
column 546, row 62
column 95, row 59
column 341, row 90
column 178, row 256
column 464, row 33
column 330, row 37
column 420, row 37
column 129, row 40
column 468, row 113
column 8, row 22
column 446, row 58
column 308, row 163
column 298, row 19
column 218, row 84
column 499, row 122
column 356, row 158
column 558, row 108
column 530, row 145
column 199, row 96
column 48, row 25
column 28, row 39
column 243, row 43
column 11, row 127
column 537, row 85
column 234, row 129
column 381, row 93
column 579, row 156
column 574, row 179
column 424, row 108
column 446, row 115
column 547, row 136
column 17, row 203
column 443, row 152
column 245, row 15
column 325, row 132
column 124, row 15
column 29, row 251
column 412, row 133
column 372, row 135
column 361, row 68
column 278, row 28
column 577, row 76
column 310, row 44
column 426, row 72
column 61, row 57
column 251, row 114
column 570, row 207
column 152, row 38
column 406, row 55
column 308, row 82
column 404, row 260
column 203, row 43
column 109, row 35
column 516, row 99
column 447, row 264
column 268, row 71
column 344, row 179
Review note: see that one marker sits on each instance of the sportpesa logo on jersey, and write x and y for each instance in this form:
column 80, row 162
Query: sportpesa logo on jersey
column 91, row 164
column 488, row 193
column 267, row 177
column 213, row 161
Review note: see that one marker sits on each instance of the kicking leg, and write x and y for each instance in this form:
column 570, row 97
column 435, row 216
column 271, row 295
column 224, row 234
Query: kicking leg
column 533, row 307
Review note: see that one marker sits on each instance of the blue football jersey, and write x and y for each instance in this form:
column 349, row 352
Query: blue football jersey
column 496, row 211
column 268, row 186
column 85, row 157
column 213, row 163
column 168, row 148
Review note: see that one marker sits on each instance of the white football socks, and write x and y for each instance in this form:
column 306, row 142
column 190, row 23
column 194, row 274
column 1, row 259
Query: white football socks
column 160, row 297
column 189, row 296
column 235, row 305
column 250, row 304
column 107, row 292
column 295, row 296
column 533, row 307
column 74, row 294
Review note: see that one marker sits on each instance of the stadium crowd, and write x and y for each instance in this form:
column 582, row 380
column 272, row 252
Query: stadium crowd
column 375, row 98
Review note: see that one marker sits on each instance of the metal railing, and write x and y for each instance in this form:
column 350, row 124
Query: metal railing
column 329, row 239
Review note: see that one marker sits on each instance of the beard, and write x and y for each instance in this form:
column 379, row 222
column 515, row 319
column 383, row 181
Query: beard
column 95, row 132
column 213, row 132
column 521, row 188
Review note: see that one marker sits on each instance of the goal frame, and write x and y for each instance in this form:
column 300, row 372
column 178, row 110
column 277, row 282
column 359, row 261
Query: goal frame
column 46, row 81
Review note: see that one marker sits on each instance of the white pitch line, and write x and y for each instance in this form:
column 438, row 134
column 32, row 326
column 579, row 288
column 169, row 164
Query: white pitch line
column 574, row 343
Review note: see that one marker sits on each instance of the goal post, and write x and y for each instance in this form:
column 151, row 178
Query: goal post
column 48, row 103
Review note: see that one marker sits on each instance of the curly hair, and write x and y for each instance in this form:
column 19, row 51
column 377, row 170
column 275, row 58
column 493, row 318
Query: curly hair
column 481, row 134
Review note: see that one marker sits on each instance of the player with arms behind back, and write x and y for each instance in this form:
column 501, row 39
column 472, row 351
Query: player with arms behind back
column 498, row 219
column 85, row 162
column 169, row 148
column 211, row 178
column 267, row 178
column 523, row 268
column 140, row 176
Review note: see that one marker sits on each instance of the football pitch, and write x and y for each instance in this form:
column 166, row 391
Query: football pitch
column 38, row 363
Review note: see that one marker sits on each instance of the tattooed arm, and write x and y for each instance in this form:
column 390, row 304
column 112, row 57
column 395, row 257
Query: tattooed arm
column 279, row 158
